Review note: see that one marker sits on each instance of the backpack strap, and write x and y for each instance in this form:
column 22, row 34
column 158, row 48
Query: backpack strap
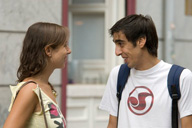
column 123, row 74
column 174, row 91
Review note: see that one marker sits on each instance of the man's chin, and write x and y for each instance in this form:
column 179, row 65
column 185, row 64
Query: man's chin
column 129, row 65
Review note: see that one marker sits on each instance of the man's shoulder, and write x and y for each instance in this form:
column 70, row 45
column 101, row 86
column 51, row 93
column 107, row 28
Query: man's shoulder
column 114, row 72
column 116, row 69
column 186, row 74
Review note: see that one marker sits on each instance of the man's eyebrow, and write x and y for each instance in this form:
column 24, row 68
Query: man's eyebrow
column 118, row 41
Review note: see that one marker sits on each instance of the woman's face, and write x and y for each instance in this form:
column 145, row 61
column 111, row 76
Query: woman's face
column 59, row 55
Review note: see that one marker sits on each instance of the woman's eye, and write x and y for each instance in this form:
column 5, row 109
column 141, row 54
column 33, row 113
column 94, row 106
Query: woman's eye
column 65, row 45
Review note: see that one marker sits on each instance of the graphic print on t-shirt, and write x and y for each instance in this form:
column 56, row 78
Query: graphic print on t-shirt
column 140, row 100
column 53, row 111
column 55, row 114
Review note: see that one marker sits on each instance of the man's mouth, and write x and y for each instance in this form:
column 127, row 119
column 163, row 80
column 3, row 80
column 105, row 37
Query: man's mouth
column 125, row 59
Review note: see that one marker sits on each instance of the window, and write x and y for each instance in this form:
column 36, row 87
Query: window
column 88, row 36
column 92, row 48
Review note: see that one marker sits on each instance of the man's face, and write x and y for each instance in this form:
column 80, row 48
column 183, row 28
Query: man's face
column 131, row 54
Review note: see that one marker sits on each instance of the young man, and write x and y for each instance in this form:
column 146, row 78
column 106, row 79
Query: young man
column 145, row 100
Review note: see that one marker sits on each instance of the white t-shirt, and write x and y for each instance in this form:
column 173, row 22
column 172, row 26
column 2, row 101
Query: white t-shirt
column 145, row 101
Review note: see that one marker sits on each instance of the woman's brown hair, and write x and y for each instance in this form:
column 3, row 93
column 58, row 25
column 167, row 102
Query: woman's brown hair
column 33, row 58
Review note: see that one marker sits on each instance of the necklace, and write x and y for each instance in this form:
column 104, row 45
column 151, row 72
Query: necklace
column 54, row 93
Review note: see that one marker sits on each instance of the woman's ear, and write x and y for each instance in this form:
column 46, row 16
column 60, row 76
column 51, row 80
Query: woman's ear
column 48, row 50
column 142, row 41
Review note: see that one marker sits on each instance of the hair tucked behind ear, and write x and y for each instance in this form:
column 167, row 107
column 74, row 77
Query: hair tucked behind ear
column 33, row 59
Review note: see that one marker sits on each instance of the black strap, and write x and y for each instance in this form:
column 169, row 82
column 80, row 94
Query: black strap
column 118, row 113
column 174, row 107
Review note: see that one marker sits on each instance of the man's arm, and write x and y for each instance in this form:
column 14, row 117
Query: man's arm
column 186, row 122
column 112, row 122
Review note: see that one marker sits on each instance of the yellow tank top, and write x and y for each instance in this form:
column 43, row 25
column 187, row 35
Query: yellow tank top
column 53, row 114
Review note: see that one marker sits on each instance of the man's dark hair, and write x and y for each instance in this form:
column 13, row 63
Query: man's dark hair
column 137, row 26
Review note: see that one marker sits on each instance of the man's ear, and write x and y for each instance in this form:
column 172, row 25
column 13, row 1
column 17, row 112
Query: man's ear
column 48, row 50
column 142, row 41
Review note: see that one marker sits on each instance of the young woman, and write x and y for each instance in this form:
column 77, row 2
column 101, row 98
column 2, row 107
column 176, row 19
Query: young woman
column 33, row 102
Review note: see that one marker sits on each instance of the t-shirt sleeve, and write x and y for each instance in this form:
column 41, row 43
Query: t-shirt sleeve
column 109, row 100
column 185, row 102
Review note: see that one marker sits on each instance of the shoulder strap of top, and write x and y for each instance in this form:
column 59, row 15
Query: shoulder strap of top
column 22, row 87
column 46, row 124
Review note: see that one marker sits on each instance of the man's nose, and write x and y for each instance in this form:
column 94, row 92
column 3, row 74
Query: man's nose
column 118, row 50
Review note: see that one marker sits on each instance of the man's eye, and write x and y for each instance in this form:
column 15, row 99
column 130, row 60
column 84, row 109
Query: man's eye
column 120, row 44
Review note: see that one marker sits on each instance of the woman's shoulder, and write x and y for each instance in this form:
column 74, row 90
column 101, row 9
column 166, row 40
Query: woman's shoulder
column 25, row 86
column 24, row 91
column 28, row 85
column 23, row 94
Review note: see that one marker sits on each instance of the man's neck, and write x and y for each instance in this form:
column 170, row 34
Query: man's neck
column 147, row 62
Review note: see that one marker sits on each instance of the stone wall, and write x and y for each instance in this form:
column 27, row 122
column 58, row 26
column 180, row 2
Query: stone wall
column 15, row 18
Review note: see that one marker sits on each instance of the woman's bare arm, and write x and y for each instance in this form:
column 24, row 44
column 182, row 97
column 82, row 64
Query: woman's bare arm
column 23, row 107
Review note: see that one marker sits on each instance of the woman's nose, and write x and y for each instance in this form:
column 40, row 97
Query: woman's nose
column 68, row 50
